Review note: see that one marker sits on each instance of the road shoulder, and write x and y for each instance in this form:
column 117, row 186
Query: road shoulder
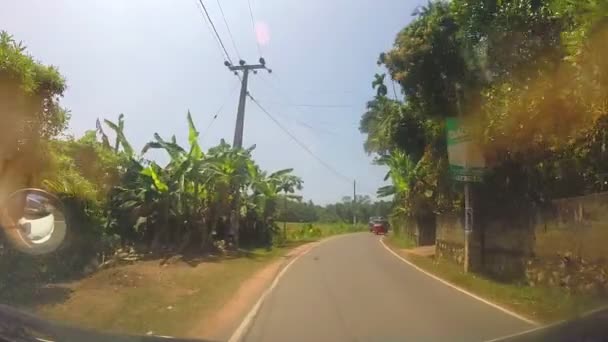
column 223, row 324
column 536, row 305
column 416, row 260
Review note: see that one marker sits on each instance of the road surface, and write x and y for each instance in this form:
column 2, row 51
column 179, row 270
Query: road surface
column 351, row 288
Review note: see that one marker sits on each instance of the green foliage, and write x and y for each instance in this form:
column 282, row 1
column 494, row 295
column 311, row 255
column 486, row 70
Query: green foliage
column 121, row 140
column 115, row 197
column 29, row 93
column 194, row 196
column 530, row 76
column 427, row 61
column 78, row 171
column 296, row 210
column 400, row 240
column 341, row 212
column 299, row 232
column 83, row 168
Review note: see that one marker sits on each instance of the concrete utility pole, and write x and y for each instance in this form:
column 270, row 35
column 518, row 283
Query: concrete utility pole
column 240, row 115
column 468, row 202
column 354, row 203
column 285, row 218
column 238, row 130
column 468, row 225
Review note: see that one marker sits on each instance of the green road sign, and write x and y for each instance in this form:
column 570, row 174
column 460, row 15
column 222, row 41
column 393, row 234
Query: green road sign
column 466, row 160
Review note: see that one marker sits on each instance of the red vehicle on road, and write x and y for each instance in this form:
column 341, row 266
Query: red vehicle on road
column 378, row 225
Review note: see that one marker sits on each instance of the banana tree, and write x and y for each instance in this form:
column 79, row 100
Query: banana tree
column 118, row 129
column 288, row 184
column 197, row 193
column 401, row 173
column 139, row 205
column 185, row 174
column 266, row 190
column 230, row 167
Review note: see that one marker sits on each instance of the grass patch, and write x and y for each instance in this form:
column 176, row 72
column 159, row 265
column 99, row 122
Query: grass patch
column 145, row 296
column 544, row 305
column 306, row 232
column 400, row 241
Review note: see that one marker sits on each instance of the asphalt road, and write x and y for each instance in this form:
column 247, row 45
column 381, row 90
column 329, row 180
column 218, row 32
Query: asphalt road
column 351, row 289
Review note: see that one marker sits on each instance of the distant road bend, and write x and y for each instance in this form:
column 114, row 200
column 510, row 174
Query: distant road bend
column 351, row 289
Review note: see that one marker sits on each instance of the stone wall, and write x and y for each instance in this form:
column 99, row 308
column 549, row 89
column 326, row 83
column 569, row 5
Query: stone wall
column 571, row 245
column 450, row 237
column 577, row 276
column 450, row 250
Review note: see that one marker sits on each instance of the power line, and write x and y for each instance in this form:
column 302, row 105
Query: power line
column 219, row 46
column 316, row 105
column 255, row 37
column 276, row 76
column 326, row 131
column 218, row 111
column 302, row 145
column 228, row 28
column 278, row 89
column 312, row 128
column 312, row 105
column 315, row 129
column 217, row 36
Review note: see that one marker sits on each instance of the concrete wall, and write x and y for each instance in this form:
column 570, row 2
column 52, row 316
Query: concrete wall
column 564, row 245
column 450, row 240
column 571, row 245
column 421, row 230
column 450, row 237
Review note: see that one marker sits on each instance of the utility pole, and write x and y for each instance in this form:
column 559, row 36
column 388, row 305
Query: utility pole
column 237, row 142
column 238, row 130
column 285, row 218
column 240, row 115
column 468, row 201
column 354, row 203
column 468, row 225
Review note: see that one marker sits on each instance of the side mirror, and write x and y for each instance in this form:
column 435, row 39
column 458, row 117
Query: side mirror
column 33, row 221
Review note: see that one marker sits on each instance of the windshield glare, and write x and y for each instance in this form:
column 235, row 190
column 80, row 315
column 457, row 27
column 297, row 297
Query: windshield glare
column 304, row 171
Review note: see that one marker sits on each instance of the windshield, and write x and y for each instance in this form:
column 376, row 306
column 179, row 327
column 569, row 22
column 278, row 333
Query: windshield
column 319, row 171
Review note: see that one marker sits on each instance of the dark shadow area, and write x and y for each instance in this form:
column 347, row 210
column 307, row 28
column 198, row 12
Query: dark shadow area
column 427, row 226
column 194, row 260
column 31, row 296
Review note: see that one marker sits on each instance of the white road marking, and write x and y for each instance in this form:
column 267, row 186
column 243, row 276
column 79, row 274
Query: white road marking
column 245, row 324
column 591, row 312
column 522, row 333
column 494, row 305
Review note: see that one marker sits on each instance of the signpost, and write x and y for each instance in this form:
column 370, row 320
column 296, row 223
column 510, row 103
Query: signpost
column 466, row 165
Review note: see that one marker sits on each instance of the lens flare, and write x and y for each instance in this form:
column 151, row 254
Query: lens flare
column 262, row 33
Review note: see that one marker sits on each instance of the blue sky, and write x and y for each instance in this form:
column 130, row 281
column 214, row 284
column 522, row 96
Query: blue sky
column 153, row 60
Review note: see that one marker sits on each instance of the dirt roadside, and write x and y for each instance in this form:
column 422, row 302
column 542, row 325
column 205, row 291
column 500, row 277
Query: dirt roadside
column 221, row 325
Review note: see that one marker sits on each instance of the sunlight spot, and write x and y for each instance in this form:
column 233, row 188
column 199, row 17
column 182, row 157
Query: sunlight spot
column 262, row 33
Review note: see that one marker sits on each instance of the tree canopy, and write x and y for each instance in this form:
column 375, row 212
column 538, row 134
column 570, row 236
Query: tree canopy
column 297, row 210
column 528, row 76
column 30, row 91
